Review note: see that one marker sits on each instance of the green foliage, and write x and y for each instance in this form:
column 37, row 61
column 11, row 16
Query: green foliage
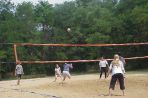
column 2, row 54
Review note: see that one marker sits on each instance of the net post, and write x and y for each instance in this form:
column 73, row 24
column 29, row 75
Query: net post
column 15, row 52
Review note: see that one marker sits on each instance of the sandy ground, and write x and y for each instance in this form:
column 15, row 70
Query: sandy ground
column 79, row 86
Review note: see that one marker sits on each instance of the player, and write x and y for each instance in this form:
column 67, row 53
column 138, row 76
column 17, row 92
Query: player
column 19, row 72
column 103, row 64
column 117, row 69
column 66, row 71
column 122, row 59
column 57, row 72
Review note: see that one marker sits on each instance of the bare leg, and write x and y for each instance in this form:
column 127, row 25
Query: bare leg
column 123, row 93
column 62, row 82
column 61, row 78
column 69, row 76
column 64, row 78
column 110, row 92
column 18, row 81
column 55, row 78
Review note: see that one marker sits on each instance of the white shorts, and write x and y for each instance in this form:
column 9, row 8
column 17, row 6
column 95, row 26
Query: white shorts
column 58, row 74
column 66, row 74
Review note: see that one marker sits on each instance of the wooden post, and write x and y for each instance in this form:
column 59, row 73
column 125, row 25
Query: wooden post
column 15, row 52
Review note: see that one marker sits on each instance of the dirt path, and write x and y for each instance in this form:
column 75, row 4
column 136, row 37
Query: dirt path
column 80, row 86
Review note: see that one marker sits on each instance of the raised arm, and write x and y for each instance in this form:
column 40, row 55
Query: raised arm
column 71, row 66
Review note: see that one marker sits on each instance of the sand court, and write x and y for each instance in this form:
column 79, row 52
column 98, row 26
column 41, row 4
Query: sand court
column 79, row 86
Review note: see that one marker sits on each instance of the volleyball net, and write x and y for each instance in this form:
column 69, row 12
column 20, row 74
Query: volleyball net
column 29, row 45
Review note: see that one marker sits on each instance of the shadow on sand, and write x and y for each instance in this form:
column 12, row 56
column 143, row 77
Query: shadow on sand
column 109, row 95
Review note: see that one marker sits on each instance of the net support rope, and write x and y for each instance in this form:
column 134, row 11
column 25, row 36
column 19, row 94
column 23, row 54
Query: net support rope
column 80, row 45
column 76, row 61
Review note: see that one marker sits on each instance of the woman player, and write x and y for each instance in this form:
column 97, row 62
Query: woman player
column 117, row 69
column 57, row 72
column 103, row 64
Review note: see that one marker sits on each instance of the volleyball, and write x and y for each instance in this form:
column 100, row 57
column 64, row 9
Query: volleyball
column 68, row 29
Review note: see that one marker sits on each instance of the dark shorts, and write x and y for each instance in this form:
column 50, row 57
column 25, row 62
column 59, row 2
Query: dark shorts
column 116, row 77
column 19, row 76
column 103, row 69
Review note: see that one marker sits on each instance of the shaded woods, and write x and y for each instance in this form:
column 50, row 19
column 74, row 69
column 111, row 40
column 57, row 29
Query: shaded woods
column 90, row 21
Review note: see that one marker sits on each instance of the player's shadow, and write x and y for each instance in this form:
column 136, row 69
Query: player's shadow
column 110, row 95
column 63, row 83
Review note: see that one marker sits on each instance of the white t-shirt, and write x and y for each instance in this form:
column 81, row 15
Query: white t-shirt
column 19, row 69
column 103, row 63
column 58, row 71
column 117, row 69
